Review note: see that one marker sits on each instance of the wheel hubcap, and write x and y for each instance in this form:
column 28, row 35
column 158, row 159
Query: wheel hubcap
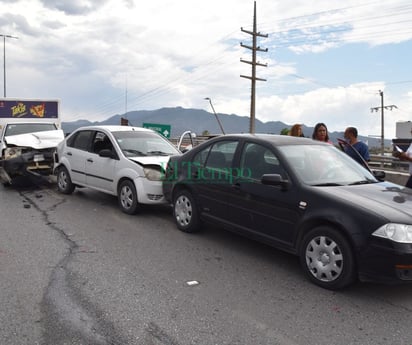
column 183, row 210
column 62, row 180
column 324, row 259
column 126, row 197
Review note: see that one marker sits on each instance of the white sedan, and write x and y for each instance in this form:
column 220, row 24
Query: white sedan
column 124, row 161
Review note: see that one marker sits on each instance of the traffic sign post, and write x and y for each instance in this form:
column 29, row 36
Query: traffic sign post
column 159, row 128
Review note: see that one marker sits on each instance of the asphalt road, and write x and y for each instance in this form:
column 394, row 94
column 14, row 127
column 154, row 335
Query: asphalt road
column 75, row 270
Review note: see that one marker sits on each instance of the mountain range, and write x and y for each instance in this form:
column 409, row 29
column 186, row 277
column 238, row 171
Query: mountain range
column 200, row 121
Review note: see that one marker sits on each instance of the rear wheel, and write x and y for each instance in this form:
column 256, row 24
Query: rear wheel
column 327, row 258
column 64, row 182
column 185, row 212
column 127, row 197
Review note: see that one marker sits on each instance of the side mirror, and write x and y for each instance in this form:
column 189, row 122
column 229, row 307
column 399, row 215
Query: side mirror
column 379, row 174
column 106, row 153
column 275, row 180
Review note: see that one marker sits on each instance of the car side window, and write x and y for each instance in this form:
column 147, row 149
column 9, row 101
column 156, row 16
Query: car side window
column 101, row 142
column 80, row 140
column 200, row 158
column 257, row 160
column 218, row 155
column 221, row 155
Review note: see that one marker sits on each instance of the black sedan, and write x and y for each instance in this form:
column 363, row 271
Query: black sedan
column 301, row 196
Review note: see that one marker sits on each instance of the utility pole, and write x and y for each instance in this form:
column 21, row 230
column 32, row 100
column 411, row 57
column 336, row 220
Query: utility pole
column 382, row 108
column 253, row 78
column 4, row 60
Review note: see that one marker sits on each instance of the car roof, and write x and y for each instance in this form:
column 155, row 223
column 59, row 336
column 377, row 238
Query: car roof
column 114, row 128
column 274, row 139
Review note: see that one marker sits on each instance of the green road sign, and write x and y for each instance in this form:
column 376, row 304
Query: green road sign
column 159, row 128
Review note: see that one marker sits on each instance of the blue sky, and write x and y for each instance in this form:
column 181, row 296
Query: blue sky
column 326, row 60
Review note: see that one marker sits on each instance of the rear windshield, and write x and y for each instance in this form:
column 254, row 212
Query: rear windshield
column 24, row 128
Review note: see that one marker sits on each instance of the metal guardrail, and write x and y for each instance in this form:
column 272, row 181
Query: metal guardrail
column 388, row 163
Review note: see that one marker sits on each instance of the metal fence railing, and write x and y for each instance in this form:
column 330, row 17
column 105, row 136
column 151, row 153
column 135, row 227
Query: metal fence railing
column 387, row 162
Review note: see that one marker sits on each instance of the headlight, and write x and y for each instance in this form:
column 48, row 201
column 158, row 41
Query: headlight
column 401, row 233
column 12, row 152
column 152, row 174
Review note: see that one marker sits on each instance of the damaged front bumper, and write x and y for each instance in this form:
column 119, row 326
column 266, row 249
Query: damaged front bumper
column 18, row 162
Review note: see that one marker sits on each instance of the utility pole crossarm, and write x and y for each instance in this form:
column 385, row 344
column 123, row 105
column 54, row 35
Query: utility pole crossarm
column 253, row 48
column 254, row 33
column 256, row 63
column 245, row 46
column 255, row 78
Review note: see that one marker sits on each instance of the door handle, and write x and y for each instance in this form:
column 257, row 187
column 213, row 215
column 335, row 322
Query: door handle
column 236, row 186
column 90, row 160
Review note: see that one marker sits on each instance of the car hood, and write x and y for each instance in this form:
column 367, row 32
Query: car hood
column 37, row 140
column 387, row 199
column 151, row 160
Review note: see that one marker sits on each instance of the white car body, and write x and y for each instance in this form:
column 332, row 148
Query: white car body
column 107, row 174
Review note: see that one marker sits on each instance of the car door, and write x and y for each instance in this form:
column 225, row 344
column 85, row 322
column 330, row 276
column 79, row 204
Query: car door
column 272, row 211
column 100, row 171
column 76, row 153
column 212, row 179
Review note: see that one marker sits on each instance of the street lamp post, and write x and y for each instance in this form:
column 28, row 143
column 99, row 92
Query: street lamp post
column 214, row 112
column 4, row 59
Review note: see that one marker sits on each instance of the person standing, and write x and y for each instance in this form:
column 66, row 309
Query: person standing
column 407, row 156
column 320, row 132
column 362, row 150
column 296, row 130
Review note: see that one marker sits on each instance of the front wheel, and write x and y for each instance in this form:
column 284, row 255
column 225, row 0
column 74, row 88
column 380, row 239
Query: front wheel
column 64, row 182
column 127, row 197
column 185, row 212
column 327, row 258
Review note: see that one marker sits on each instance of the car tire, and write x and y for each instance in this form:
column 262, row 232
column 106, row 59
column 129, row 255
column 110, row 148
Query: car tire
column 327, row 258
column 127, row 197
column 185, row 212
column 64, row 181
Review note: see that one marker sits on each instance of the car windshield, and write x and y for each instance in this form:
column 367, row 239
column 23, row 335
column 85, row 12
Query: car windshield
column 24, row 128
column 324, row 165
column 139, row 143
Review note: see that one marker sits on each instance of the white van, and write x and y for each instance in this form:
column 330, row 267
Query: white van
column 29, row 134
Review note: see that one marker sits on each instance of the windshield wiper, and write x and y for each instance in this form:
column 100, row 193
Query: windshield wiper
column 135, row 152
column 327, row 184
column 360, row 182
column 159, row 153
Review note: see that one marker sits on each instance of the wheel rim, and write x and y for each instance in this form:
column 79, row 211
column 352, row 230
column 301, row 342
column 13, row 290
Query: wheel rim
column 126, row 197
column 324, row 259
column 62, row 180
column 183, row 210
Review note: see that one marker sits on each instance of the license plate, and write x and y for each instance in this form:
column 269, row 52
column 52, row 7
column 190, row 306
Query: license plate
column 38, row 158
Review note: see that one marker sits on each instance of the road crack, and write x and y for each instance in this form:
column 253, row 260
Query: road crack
column 69, row 318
